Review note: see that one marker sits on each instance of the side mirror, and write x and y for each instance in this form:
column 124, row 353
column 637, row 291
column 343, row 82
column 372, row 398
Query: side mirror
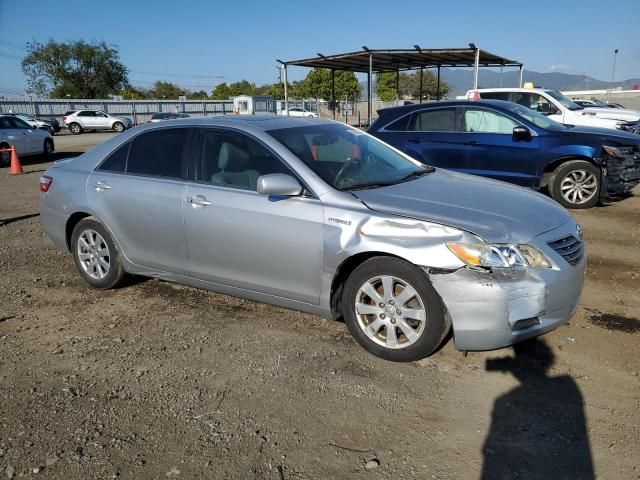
column 278, row 184
column 521, row 133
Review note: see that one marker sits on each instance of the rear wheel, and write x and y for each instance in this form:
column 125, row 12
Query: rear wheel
column 95, row 255
column 392, row 310
column 576, row 184
column 118, row 127
column 75, row 128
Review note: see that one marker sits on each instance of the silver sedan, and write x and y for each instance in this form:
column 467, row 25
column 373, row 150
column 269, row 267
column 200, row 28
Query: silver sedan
column 317, row 216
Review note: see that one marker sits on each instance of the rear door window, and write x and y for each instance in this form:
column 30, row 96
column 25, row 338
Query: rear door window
column 435, row 120
column 400, row 125
column 86, row 113
column 159, row 153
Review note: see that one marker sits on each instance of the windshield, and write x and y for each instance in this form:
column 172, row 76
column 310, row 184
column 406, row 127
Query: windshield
column 564, row 101
column 347, row 158
column 537, row 118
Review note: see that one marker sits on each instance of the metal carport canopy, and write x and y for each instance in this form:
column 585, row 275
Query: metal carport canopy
column 396, row 60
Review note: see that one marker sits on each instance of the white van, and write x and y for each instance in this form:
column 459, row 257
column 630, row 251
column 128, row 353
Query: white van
column 560, row 108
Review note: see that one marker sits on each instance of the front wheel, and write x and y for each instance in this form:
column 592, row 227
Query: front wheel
column 95, row 255
column 576, row 184
column 47, row 147
column 392, row 310
column 118, row 127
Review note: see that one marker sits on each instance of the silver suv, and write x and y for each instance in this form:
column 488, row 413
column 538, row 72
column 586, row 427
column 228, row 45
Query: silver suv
column 317, row 216
column 81, row 120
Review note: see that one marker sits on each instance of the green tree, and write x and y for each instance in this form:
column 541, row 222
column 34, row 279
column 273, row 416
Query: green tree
column 221, row 92
column 386, row 86
column 75, row 68
column 199, row 95
column 162, row 89
column 243, row 87
column 410, row 86
column 317, row 84
column 133, row 93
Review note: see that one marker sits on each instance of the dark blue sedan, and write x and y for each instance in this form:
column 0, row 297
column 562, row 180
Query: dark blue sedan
column 506, row 141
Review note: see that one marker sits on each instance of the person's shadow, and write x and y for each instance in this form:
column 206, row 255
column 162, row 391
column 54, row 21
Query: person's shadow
column 538, row 430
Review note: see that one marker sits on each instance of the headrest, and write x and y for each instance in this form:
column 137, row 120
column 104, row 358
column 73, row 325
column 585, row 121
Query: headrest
column 232, row 158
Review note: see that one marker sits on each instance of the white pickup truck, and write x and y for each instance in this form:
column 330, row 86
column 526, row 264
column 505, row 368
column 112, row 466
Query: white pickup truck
column 560, row 108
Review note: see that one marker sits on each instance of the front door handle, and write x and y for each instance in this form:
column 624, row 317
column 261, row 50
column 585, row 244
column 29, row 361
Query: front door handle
column 414, row 140
column 473, row 143
column 198, row 201
column 101, row 186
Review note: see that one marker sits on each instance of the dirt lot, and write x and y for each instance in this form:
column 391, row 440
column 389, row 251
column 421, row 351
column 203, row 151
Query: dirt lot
column 156, row 380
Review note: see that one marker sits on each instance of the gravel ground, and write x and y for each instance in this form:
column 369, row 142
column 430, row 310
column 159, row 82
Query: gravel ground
column 156, row 380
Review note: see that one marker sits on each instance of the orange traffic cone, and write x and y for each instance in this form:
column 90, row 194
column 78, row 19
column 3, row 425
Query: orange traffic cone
column 16, row 166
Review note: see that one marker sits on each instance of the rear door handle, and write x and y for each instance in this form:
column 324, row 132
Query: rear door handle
column 101, row 186
column 198, row 201
column 414, row 140
column 473, row 143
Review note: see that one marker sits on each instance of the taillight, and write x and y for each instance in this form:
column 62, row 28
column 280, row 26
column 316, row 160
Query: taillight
column 45, row 183
column 64, row 119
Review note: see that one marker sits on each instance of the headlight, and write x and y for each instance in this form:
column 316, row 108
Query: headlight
column 499, row 255
column 617, row 151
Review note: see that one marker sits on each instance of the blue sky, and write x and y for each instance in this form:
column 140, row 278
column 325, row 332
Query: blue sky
column 192, row 42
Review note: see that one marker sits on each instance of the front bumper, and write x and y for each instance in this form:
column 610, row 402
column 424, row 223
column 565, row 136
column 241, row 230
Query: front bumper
column 622, row 173
column 495, row 309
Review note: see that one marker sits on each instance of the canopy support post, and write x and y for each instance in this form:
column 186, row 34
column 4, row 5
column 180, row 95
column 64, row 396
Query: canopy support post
column 477, row 69
column 286, row 93
column 421, row 74
column 370, row 93
column 438, row 85
column 333, row 92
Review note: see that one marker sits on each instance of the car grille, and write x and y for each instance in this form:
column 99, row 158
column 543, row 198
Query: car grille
column 570, row 248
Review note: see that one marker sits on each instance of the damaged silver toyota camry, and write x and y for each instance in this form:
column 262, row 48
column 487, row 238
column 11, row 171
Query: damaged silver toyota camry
column 320, row 217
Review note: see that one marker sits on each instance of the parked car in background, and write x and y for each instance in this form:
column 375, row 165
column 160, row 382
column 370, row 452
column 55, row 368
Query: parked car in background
column 506, row 141
column 560, row 108
column 298, row 112
column 80, row 120
column 321, row 217
column 52, row 126
column 26, row 139
column 162, row 116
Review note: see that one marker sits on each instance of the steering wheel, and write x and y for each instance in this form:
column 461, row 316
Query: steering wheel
column 348, row 165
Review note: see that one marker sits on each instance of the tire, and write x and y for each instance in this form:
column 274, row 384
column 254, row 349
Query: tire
column 75, row 128
column 47, row 148
column 5, row 157
column 576, row 184
column 388, row 313
column 95, row 255
column 118, row 127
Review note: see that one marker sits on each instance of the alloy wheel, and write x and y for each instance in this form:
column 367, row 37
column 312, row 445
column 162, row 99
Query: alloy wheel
column 93, row 254
column 390, row 312
column 579, row 186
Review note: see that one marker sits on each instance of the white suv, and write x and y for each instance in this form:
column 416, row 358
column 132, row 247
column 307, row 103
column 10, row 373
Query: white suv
column 560, row 108
column 81, row 120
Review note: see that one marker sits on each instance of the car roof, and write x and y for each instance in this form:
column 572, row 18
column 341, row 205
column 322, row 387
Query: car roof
column 263, row 122
column 513, row 89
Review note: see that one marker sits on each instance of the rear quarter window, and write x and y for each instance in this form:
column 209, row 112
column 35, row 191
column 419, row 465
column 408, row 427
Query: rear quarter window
column 158, row 153
column 117, row 161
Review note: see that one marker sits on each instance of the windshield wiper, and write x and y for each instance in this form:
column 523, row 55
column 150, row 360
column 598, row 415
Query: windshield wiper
column 364, row 186
column 416, row 174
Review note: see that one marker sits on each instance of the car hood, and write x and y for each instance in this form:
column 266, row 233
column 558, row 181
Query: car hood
column 613, row 114
column 606, row 134
column 496, row 211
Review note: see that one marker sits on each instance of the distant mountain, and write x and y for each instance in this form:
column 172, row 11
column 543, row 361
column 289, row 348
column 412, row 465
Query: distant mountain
column 460, row 80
